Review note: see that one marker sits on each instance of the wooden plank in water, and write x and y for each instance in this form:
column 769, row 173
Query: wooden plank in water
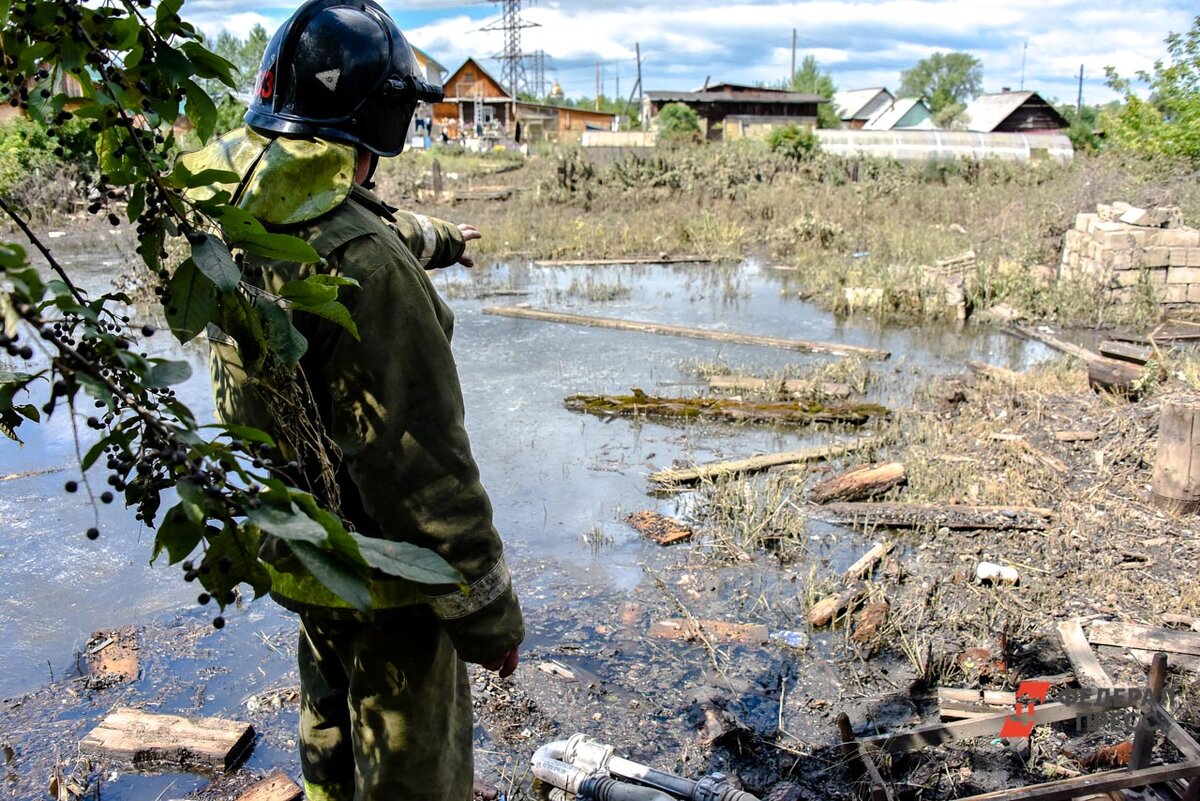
column 627, row 260
column 276, row 787
column 1050, row 341
column 1126, row 352
column 802, row 345
column 168, row 741
column 754, row 464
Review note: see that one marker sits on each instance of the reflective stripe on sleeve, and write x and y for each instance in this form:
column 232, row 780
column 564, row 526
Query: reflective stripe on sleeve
column 480, row 594
column 428, row 237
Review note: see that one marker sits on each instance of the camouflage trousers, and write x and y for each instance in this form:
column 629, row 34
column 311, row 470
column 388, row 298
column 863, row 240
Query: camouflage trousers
column 385, row 710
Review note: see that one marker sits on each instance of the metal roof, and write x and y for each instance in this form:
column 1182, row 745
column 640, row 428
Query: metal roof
column 890, row 115
column 737, row 96
column 851, row 103
column 425, row 57
column 986, row 112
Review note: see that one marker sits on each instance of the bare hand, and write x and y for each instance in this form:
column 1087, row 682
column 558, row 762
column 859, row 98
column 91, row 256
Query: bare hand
column 505, row 664
column 468, row 232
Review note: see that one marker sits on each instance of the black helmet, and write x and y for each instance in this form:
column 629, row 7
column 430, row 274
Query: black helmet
column 340, row 69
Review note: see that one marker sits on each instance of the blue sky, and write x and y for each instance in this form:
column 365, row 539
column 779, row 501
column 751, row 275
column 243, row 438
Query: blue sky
column 861, row 42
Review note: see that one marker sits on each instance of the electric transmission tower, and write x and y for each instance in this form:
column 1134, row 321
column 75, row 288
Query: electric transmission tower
column 537, row 73
column 512, row 58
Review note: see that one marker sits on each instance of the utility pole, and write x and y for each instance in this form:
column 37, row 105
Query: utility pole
column 641, row 115
column 1079, row 100
column 597, row 86
column 512, row 59
column 1024, row 52
column 792, row 74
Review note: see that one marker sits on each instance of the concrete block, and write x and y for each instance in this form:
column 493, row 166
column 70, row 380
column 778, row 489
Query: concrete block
column 1093, row 222
column 1083, row 221
column 1106, row 212
column 1117, row 240
column 1123, row 296
column 1140, row 236
column 1172, row 216
column 1174, row 293
column 1126, row 277
column 1175, row 238
column 1193, row 257
column 1072, row 239
column 1178, row 257
column 1193, row 295
column 1183, row 275
column 1156, row 257
column 1108, row 226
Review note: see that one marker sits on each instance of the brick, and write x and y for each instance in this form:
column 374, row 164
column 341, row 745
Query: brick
column 1093, row 223
column 1193, row 295
column 1072, row 239
column 1140, row 236
column 1126, row 277
column 1117, row 240
column 1175, row 238
column 1156, row 257
column 1178, row 257
column 1193, row 257
column 1123, row 296
column 1083, row 221
column 1183, row 275
column 1105, row 212
column 1107, row 226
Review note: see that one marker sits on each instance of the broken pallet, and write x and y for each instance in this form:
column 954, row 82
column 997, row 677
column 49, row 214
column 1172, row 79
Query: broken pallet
column 146, row 740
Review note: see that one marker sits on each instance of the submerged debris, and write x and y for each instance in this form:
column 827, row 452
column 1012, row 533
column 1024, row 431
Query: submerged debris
column 795, row 412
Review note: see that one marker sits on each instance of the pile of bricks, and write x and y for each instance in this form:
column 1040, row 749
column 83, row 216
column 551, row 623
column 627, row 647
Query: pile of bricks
column 1122, row 246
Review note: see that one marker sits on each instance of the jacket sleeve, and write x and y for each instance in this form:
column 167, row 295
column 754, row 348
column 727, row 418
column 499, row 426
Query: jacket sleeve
column 397, row 414
column 436, row 243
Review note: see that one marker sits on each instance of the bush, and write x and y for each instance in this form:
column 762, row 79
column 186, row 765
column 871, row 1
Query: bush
column 678, row 123
column 793, row 142
column 26, row 150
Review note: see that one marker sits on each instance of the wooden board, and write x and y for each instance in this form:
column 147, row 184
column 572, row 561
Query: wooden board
column 1051, row 341
column 715, row 630
column 276, row 787
column 753, row 464
column 1126, row 352
column 1079, row 654
column 913, row 515
column 1065, row 789
column 659, row 528
column 1175, row 482
column 1114, row 377
column 860, row 483
column 1145, row 638
column 801, row 345
column 627, row 260
column 1170, row 331
column 147, row 740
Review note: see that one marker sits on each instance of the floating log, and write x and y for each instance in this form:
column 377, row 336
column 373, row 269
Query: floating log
column 209, row 745
column 793, row 388
column 659, row 528
column 1144, row 638
column 754, row 464
column 1077, row 351
column 914, row 515
column 278, row 786
column 861, row 483
column 804, row 346
column 1176, row 481
column 866, row 563
column 626, row 260
column 826, row 610
column 713, row 630
column 1126, row 352
column 639, row 404
column 1114, row 377
column 1079, row 654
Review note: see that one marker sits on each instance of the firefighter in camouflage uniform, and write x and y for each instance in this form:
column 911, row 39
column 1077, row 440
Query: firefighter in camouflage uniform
column 385, row 702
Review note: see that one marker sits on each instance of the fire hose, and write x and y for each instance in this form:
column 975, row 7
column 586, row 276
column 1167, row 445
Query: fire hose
column 591, row 771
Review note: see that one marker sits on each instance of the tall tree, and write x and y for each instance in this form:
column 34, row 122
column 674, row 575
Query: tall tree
column 943, row 80
column 810, row 78
column 1168, row 122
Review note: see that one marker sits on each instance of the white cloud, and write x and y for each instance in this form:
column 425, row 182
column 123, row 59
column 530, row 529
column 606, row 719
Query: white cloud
column 862, row 42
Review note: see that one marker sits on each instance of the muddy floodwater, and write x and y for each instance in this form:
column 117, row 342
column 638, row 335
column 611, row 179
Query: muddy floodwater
column 562, row 484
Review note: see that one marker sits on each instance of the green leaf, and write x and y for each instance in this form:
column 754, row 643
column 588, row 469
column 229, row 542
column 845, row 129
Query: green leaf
column 213, row 259
column 246, row 433
column 240, row 321
column 232, row 559
column 178, row 535
column 193, row 500
column 287, row 343
column 166, row 9
column 192, row 302
column 182, row 178
column 288, row 524
column 209, row 65
column 328, row 570
column 107, row 145
column 200, row 109
column 235, row 221
column 173, row 65
column 276, row 246
column 165, row 373
column 332, row 311
column 317, row 294
column 97, row 389
column 94, row 453
column 309, row 291
column 340, row 539
column 407, row 560
column 137, row 203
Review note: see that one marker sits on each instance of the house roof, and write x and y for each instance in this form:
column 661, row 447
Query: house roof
column 852, row 103
column 724, row 94
column 572, row 109
column 986, row 112
column 888, row 117
column 479, row 67
column 425, row 58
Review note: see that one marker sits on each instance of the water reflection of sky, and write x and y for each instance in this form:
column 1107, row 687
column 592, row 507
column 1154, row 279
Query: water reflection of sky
column 554, row 476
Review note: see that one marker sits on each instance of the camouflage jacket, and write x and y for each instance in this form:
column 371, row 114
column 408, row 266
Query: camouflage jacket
column 390, row 399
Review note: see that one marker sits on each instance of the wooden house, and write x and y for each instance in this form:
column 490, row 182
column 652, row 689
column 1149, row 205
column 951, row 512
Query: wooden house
column 478, row 106
column 1013, row 112
column 733, row 111
column 905, row 114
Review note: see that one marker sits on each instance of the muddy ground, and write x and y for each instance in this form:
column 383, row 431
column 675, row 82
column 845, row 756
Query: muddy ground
column 762, row 713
